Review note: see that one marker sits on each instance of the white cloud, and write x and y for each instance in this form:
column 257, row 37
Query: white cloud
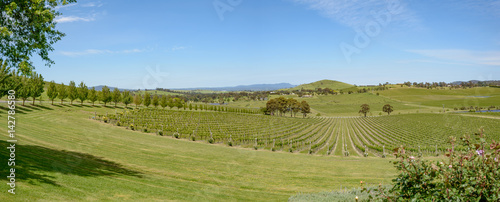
column 463, row 56
column 65, row 6
column 97, row 52
column 357, row 13
column 176, row 48
column 73, row 19
column 92, row 4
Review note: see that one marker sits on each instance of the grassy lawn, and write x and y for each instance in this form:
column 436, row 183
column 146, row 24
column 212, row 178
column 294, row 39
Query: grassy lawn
column 64, row 155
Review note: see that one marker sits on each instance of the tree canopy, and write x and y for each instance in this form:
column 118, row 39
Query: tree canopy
column 365, row 108
column 387, row 108
column 28, row 27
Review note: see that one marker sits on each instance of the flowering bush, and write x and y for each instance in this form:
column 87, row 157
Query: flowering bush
column 471, row 174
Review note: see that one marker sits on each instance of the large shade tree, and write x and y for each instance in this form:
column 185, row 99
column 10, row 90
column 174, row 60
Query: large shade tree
column 28, row 27
column 365, row 108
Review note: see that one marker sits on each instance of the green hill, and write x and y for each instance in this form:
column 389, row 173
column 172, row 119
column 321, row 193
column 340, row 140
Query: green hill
column 335, row 85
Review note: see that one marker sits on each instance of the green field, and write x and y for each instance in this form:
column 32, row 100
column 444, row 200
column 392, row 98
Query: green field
column 64, row 155
column 479, row 96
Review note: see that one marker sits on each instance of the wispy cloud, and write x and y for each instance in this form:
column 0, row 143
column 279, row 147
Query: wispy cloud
column 357, row 13
column 65, row 6
column 64, row 19
column 98, row 52
column 92, row 4
column 463, row 56
column 176, row 48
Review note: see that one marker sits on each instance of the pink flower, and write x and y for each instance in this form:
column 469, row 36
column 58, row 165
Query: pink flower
column 450, row 166
column 412, row 157
column 480, row 152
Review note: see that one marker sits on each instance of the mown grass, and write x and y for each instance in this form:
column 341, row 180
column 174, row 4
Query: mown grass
column 62, row 154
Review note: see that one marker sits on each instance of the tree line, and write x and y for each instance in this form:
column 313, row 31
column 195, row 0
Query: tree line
column 280, row 106
column 25, row 86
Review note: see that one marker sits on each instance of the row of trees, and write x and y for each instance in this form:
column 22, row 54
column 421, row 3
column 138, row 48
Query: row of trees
column 280, row 106
column 26, row 86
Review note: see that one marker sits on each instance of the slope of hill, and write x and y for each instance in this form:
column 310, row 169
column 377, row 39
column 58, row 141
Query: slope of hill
column 335, row 85
column 85, row 160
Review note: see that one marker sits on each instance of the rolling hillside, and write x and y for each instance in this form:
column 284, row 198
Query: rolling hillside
column 335, row 85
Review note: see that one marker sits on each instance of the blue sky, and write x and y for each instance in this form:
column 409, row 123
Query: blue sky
column 209, row 43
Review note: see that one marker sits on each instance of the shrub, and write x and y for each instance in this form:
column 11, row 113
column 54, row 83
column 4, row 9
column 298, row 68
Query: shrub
column 211, row 140
column 145, row 130
column 193, row 138
column 105, row 119
column 230, row 143
column 160, row 133
column 472, row 174
column 118, row 123
column 131, row 127
column 273, row 149
column 255, row 147
column 176, row 135
column 318, row 114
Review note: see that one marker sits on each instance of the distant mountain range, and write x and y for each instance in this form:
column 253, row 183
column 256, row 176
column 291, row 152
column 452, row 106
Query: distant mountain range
column 254, row 87
column 336, row 85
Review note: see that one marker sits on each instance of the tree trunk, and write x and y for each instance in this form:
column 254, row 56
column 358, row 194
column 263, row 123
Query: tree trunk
column 52, row 101
column 33, row 101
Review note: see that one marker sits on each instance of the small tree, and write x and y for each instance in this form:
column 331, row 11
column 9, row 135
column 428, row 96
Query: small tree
column 190, row 106
column 83, row 92
column 62, row 92
column 305, row 108
column 116, row 96
column 126, row 98
column 72, row 92
column 137, row 99
column 163, row 101
column 52, row 91
column 178, row 103
column 387, row 108
column 24, row 89
column 36, row 86
column 155, row 101
column 105, row 95
column 170, row 103
column 196, row 107
column 92, row 95
column 147, row 99
column 364, row 109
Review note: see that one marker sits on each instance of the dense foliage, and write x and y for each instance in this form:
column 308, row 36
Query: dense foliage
column 469, row 175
